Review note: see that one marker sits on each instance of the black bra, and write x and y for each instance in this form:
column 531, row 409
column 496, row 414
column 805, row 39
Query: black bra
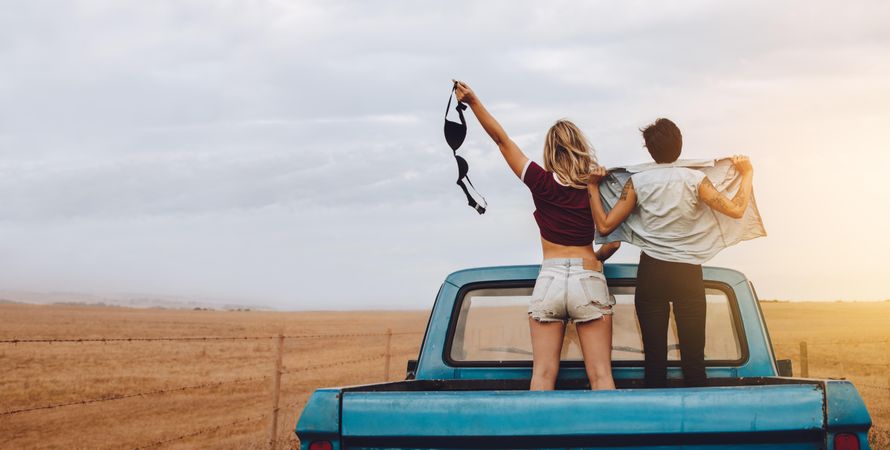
column 455, row 133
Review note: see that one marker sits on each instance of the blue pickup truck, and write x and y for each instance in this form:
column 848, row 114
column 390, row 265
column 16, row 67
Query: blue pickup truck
column 468, row 386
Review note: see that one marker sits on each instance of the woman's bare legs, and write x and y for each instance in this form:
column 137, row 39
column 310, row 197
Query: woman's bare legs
column 596, row 346
column 546, row 347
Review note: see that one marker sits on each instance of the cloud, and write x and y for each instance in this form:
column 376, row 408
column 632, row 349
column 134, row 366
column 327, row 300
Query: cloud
column 267, row 148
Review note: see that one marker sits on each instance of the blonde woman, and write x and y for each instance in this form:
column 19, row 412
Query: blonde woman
column 571, row 285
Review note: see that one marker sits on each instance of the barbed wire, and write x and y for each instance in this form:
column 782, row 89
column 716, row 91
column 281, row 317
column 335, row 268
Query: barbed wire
column 195, row 386
column 872, row 386
column 312, row 336
column 850, row 362
column 296, row 403
column 125, row 396
column 298, row 336
column 131, row 339
column 880, row 430
column 203, row 430
column 194, row 338
column 817, row 342
column 289, row 436
column 218, row 427
column 347, row 362
column 335, row 364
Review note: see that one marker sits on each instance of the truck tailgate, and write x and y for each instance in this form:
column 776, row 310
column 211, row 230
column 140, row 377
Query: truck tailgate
column 725, row 417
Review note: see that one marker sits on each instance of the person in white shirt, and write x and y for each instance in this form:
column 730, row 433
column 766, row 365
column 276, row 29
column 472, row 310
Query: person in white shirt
column 669, row 199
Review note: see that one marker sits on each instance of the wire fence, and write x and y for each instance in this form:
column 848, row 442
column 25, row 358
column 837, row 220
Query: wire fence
column 335, row 364
column 804, row 354
column 274, row 440
column 203, row 431
column 848, row 342
column 878, row 430
column 872, row 386
column 846, row 358
column 110, row 398
column 15, row 341
column 864, row 363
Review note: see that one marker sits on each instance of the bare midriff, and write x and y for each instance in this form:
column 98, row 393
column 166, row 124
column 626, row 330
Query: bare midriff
column 585, row 252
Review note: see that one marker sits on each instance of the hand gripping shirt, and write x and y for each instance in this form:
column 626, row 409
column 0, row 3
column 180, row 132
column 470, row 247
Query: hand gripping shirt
column 669, row 222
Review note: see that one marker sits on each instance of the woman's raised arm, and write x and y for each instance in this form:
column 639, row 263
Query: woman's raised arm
column 511, row 152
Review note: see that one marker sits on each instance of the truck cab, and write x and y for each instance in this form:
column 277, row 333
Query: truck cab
column 469, row 385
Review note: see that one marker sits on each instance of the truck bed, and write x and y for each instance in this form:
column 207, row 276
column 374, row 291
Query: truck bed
column 766, row 411
column 563, row 384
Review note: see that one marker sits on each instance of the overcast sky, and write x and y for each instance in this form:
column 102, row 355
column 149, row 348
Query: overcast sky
column 290, row 153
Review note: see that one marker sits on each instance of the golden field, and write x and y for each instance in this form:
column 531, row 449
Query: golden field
column 844, row 340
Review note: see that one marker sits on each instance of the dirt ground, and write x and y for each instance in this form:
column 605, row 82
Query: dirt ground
column 217, row 393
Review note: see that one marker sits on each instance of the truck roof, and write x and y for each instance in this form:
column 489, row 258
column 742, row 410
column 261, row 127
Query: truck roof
column 530, row 272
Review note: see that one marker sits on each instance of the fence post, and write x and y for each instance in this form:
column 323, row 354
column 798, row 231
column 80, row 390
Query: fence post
column 388, row 354
column 276, row 390
column 804, row 360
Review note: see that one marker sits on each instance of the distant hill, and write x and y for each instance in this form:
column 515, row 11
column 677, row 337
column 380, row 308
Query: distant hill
column 123, row 300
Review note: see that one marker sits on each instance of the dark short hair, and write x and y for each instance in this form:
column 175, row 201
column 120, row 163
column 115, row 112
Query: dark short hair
column 663, row 139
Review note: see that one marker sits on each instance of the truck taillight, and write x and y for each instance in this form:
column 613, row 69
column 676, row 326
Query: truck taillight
column 326, row 445
column 846, row 441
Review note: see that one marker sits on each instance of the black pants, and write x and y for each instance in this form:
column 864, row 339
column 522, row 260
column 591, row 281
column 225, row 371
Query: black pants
column 659, row 283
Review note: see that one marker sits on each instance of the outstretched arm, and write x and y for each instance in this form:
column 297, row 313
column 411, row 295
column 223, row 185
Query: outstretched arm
column 736, row 207
column 511, row 152
column 606, row 223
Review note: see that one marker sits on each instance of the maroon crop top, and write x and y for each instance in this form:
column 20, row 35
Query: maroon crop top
column 562, row 212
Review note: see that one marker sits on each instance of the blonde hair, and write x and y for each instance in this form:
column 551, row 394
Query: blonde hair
column 568, row 154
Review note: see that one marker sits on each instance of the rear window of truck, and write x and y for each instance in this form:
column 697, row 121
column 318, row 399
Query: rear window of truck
column 491, row 326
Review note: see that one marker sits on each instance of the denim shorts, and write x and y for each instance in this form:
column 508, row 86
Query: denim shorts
column 565, row 291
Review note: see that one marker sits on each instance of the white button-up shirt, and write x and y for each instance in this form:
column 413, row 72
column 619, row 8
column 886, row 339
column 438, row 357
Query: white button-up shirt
column 669, row 222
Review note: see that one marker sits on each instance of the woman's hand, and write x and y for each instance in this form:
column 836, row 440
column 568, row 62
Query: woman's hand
column 595, row 176
column 607, row 250
column 742, row 164
column 464, row 93
column 512, row 153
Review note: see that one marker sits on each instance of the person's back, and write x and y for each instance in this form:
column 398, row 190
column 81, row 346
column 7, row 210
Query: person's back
column 668, row 200
column 562, row 212
column 570, row 286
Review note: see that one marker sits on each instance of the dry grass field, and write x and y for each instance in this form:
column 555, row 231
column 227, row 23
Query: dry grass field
column 844, row 340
